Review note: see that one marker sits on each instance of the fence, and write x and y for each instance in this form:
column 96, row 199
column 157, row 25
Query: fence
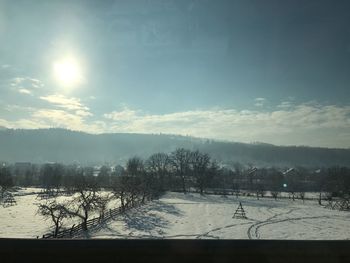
column 339, row 204
column 93, row 223
column 250, row 193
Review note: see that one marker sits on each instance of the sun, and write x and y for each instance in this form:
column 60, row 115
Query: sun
column 67, row 71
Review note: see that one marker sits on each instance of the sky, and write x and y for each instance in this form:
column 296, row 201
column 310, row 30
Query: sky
column 246, row 71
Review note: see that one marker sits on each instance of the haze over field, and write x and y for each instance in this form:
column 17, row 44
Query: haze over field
column 58, row 145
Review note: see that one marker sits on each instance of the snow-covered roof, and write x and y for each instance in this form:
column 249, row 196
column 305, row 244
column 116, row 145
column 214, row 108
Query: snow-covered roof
column 252, row 170
column 288, row 171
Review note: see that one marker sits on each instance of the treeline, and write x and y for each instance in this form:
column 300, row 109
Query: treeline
column 176, row 171
column 182, row 170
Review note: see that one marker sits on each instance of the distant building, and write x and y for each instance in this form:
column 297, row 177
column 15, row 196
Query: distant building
column 289, row 171
column 96, row 170
column 253, row 177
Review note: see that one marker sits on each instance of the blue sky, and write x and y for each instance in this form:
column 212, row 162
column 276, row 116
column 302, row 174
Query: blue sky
column 268, row 71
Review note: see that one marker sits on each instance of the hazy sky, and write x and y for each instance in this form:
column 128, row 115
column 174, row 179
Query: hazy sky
column 269, row 71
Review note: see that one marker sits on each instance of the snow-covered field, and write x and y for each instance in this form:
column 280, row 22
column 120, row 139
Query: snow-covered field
column 210, row 217
column 193, row 216
column 23, row 221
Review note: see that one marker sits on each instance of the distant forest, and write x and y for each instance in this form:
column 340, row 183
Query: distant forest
column 65, row 146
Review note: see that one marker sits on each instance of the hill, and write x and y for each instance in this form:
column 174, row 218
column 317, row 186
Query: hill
column 60, row 145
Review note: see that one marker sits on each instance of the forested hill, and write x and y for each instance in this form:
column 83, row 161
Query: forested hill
column 59, row 145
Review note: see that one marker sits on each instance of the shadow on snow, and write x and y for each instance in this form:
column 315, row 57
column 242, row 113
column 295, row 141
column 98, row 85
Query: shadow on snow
column 146, row 218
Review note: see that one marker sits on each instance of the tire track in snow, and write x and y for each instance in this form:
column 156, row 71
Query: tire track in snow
column 286, row 220
column 253, row 229
column 206, row 234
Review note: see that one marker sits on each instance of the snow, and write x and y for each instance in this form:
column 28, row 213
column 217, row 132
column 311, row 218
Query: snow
column 192, row 216
column 23, row 221
column 210, row 217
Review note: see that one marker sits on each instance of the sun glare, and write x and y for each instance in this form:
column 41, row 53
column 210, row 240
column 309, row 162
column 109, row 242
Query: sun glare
column 68, row 72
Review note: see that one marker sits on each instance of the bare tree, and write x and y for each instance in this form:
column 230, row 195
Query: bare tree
column 84, row 204
column 135, row 170
column 292, row 194
column 51, row 176
column 200, row 163
column 180, row 160
column 259, row 191
column 127, row 188
column 86, row 200
column 103, row 178
column 158, row 165
column 139, row 181
column 238, row 167
column 118, row 170
column 102, row 203
column 274, row 182
column 55, row 211
column 275, row 194
column 6, row 181
column 301, row 195
column 134, row 166
column 121, row 190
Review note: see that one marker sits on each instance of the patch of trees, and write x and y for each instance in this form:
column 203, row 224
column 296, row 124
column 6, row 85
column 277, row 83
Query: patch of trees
column 89, row 200
column 335, row 181
column 182, row 170
column 6, row 181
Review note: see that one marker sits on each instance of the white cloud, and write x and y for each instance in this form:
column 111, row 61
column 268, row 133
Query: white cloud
column 83, row 113
column 46, row 118
column 59, row 118
column 64, row 119
column 27, row 82
column 285, row 105
column 63, row 112
column 24, row 91
column 124, row 115
column 25, row 85
column 70, row 104
column 17, row 108
column 260, row 99
column 23, row 124
column 285, row 126
column 304, row 124
column 259, row 102
column 62, row 101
